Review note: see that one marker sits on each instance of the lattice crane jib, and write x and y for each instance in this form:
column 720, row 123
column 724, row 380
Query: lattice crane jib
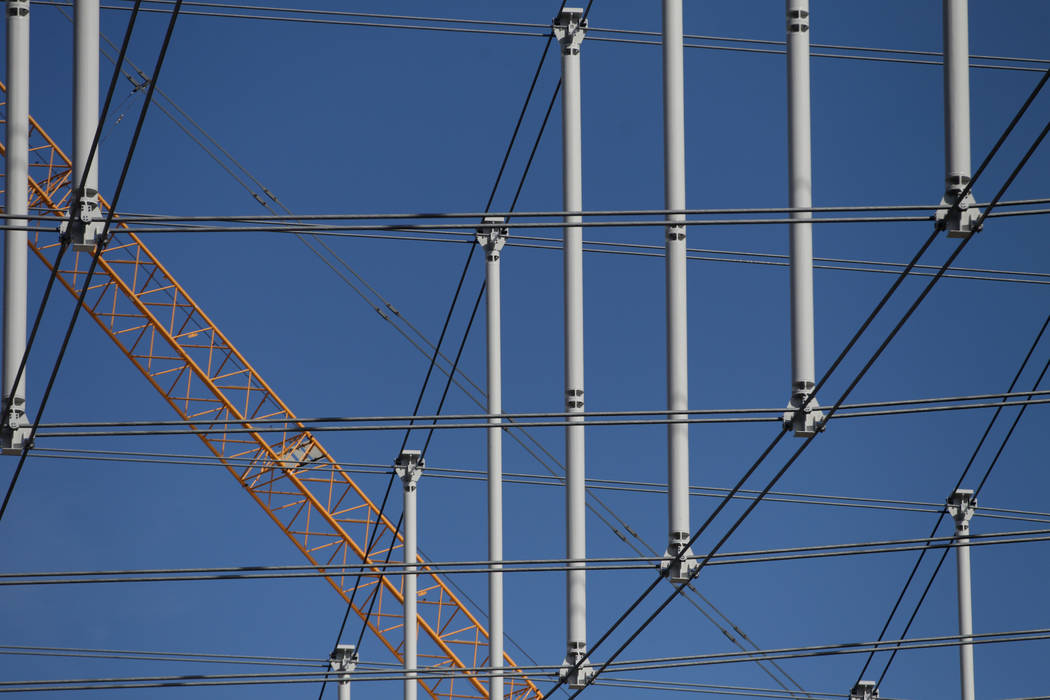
column 186, row 358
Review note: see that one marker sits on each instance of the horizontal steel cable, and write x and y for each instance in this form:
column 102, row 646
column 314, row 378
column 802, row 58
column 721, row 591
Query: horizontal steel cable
column 198, row 429
column 528, row 415
column 548, row 480
column 369, row 675
column 532, row 30
column 294, row 571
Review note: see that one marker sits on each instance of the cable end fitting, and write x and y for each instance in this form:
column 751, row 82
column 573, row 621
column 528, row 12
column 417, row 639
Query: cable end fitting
column 803, row 416
column 962, row 214
column 83, row 229
column 576, row 671
column 14, row 433
column 864, row 690
column 409, row 466
column 569, row 29
column 679, row 563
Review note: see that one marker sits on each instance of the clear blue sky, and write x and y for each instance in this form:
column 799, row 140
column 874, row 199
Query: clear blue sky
column 353, row 119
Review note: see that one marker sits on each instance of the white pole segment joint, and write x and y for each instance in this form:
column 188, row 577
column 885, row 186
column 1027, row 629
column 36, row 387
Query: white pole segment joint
column 492, row 236
column 343, row 661
column 569, row 29
column 956, row 31
column 798, row 20
column 864, row 690
column 14, row 425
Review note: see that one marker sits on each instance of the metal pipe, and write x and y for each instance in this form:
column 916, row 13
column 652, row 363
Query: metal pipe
column 803, row 414
column 16, row 203
column 677, row 569
column 569, row 28
column 409, row 466
column 86, row 224
column 492, row 235
column 961, row 505
column 957, row 118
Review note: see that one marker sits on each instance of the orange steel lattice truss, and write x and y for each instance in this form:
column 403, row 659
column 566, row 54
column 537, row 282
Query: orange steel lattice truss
column 186, row 358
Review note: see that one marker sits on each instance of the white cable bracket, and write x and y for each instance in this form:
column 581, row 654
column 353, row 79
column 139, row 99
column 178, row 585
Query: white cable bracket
column 576, row 670
column 14, row 433
column 962, row 214
column 84, row 228
column 569, row 29
column 864, row 690
column 409, row 467
column 679, row 563
column 803, row 416
column 492, row 235
column 961, row 505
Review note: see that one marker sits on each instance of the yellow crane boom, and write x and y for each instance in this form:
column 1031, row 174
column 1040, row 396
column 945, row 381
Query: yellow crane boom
column 208, row 382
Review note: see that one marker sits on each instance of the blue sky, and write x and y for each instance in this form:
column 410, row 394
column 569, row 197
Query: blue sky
column 353, row 119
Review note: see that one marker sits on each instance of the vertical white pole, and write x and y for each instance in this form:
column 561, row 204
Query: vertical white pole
column 409, row 466
column 957, row 117
column 16, row 203
column 85, row 122
column 961, row 505
column 491, row 236
column 569, row 28
column 804, row 421
column 677, row 317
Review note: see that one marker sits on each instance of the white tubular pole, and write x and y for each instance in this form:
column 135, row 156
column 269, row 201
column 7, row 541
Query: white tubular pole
column 492, row 235
column 957, row 116
column 569, row 28
column 409, row 466
column 16, row 203
column 85, row 121
column 677, row 318
column 804, row 421
column 956, row 89
column 961, row 505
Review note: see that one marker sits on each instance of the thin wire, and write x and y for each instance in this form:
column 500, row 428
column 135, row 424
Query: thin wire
column 99, row 247
column 638, row 250
column 140, row 217
column 533, row 479
column 272, row 196
column 452, row 373
column 540, row 414
column 984, row 479
column 546, row 33
column 535, row 424
column 365, row 675
column 386, row 568
column 65, row 240
column 937, row 229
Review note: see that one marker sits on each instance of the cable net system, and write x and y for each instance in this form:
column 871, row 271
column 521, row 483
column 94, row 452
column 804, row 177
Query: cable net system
column 288, row 472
